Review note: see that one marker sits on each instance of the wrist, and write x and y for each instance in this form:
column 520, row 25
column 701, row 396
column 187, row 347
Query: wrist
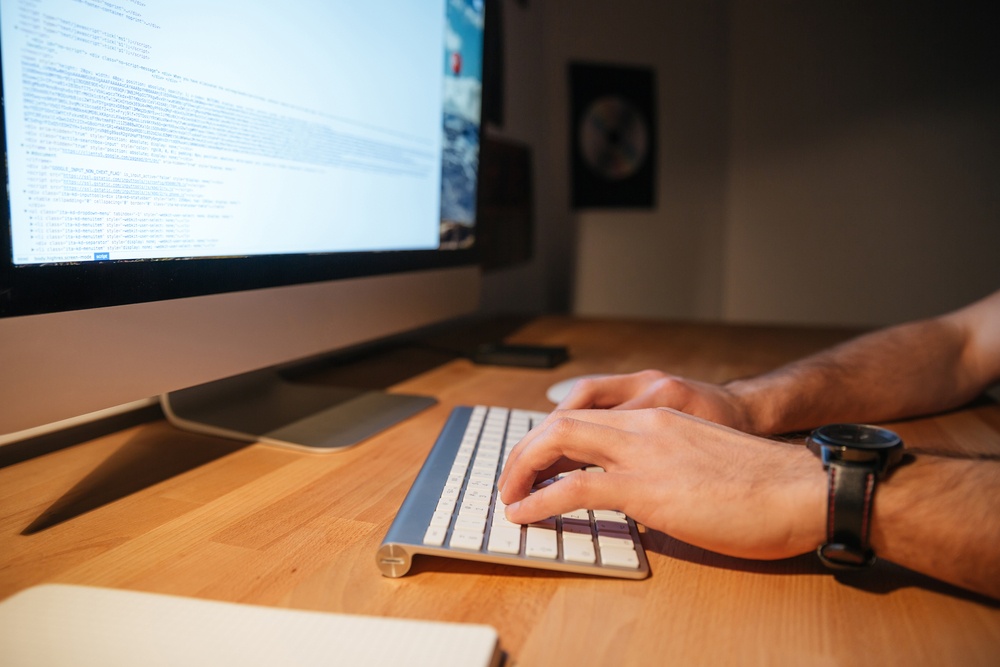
column 754, row 412
column 800, row 500
column 809, row 504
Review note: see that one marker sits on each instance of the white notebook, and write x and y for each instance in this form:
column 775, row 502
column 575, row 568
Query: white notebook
column 55, row 624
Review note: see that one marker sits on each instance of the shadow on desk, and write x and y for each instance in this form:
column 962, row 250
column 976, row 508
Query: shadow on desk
column 25, row 450
column 881, row 579
column 154, row 454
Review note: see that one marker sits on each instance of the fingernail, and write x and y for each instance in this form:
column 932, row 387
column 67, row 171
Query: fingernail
column 510, row 507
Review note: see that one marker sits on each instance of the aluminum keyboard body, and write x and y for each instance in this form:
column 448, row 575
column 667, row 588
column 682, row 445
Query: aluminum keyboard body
column 452, row 510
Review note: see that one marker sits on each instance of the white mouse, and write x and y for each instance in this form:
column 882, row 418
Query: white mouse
column 560, row 390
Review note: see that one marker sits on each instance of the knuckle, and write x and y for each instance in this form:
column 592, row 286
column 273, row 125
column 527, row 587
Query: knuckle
column 574, row 485
column 562, row 426
column 585, row 386
column 672, row 388
column 667, row 383
column 650, row 375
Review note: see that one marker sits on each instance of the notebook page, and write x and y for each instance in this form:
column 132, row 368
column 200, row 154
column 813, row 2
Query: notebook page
column 56, row 624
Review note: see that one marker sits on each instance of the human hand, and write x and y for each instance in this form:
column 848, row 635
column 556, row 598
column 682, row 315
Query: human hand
column 655, row 389
column 699, row 482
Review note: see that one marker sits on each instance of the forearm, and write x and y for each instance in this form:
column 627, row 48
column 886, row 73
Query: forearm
column 941, row 517
column 902, row 371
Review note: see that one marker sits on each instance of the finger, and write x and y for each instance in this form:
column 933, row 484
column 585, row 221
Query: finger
column 598, row 392
column 575, row 491
column 514, row 453
column 617, row 420
column 564, row 437
column 644, row 400
column 521, row 444
column 564, row 465
column 667, row 391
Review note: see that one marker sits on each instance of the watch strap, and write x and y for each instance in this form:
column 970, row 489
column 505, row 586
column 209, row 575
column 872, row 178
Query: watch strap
column 849, row 506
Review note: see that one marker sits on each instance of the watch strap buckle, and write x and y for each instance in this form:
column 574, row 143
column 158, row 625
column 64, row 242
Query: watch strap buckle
column 843, row 557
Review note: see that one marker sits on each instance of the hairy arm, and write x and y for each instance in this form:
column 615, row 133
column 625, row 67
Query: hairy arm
column 910, row 369
column 941, row 517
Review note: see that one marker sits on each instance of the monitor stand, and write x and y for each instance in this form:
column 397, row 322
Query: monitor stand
column 263, row 406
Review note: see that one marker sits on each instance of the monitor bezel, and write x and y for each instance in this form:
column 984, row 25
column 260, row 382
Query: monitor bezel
column 39, row 289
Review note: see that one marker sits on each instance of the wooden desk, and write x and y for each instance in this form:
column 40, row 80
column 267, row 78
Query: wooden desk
column 268, row 526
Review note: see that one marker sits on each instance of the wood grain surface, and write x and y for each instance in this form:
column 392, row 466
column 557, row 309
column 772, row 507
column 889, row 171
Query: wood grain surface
column 151, row 508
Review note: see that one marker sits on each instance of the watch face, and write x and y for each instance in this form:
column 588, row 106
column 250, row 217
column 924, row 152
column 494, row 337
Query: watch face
column 856, row 436
column 857, row 444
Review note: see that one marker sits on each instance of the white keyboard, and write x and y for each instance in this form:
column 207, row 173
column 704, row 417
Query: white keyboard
column 453, row 509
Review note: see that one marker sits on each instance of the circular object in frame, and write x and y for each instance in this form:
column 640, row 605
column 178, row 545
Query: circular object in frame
column 614, row 139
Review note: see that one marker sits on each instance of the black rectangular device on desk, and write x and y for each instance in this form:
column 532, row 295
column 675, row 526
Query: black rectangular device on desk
column 530, row 356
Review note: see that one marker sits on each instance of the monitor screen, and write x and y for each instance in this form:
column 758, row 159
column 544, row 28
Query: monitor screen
column 163, row 150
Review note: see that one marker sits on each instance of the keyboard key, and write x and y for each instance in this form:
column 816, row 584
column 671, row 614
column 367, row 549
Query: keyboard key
column 484, row 474
column 578, row 550
column 466, row 539
column 499, row 519
column 505, row 539
column 466, row 522
column 445, row 505
column 619, row 556
column 614, row 541
column 612, row 527
column 480, row 494
column 540, row 543
column 441, row 519
column 474, row 506
column 434, row 537
column 482, row 484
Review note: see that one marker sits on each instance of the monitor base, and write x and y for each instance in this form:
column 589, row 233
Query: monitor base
column 264, row 407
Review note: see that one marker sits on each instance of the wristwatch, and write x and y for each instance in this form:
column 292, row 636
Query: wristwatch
column 856, row 457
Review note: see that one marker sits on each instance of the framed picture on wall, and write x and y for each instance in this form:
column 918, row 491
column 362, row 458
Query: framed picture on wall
column 613, row 140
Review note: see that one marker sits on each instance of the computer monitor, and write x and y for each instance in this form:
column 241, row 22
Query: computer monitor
column 197, row 191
